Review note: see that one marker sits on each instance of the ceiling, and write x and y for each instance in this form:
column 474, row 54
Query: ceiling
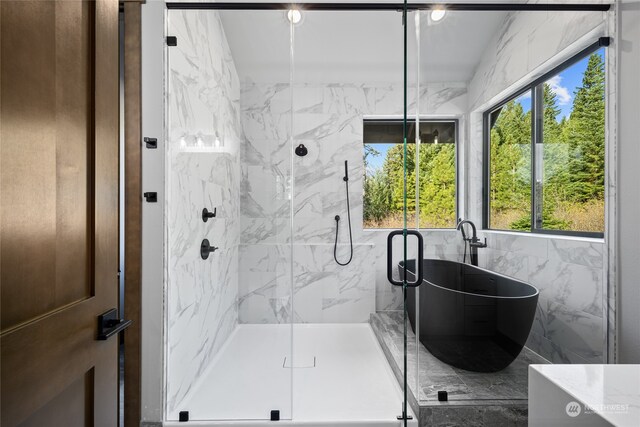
column 363, row 47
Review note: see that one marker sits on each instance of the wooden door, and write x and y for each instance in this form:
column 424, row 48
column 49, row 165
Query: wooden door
column 59, row 211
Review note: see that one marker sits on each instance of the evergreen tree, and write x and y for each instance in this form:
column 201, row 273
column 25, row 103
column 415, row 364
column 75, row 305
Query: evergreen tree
column 438, row 186
column 552, row 129
column 585, row 134
column 394, row 169
column 511, row 159
column 376, row 197
column 555, row 153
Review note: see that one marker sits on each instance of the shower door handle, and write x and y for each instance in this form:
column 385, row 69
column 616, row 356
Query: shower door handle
column 419, row 263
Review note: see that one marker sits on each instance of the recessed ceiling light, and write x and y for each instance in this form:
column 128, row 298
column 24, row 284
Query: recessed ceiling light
column 437, row 14
column 294, row 16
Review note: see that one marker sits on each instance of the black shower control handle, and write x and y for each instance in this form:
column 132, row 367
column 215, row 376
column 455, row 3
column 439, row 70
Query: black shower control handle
column 206, row 214
column 478, row 243
column 206, row 249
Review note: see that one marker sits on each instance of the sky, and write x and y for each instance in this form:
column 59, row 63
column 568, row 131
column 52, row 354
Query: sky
column 375, row 162
column 563, row 85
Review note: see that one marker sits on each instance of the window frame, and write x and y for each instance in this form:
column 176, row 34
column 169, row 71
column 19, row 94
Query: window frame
column 456, row 137
column 536, row 88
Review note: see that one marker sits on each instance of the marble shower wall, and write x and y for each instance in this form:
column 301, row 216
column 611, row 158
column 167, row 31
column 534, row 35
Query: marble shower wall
column 204, row 104
column 527, row 45
column 571, row 273
column 328, row 121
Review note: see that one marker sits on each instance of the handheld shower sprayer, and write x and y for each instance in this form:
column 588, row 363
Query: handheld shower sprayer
column 337, row 218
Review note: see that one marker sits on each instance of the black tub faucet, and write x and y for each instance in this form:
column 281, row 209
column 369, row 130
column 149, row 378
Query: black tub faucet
column 474, row 242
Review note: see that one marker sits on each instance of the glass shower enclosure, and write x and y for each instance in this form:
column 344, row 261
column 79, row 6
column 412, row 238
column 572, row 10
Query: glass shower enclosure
column 266, row 246
column 270, row 247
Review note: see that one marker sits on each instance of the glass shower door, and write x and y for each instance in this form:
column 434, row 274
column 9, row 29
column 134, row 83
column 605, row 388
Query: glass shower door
column 411, row 249
column 348, row 78
column 229, row 345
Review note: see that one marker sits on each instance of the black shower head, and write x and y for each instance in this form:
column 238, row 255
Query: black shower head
column 346, row 171
column 301, row 150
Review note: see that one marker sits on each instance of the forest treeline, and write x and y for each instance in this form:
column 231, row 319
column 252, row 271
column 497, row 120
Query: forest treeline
column 571, row 193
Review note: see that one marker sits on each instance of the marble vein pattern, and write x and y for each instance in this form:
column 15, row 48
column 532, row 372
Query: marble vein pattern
column 203, row 102
column 498, row 398
column 280, row 205
column 475, row 416
column 571, row 273
column 524, row 43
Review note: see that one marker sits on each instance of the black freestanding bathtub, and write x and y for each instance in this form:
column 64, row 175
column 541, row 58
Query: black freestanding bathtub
column 469, row 317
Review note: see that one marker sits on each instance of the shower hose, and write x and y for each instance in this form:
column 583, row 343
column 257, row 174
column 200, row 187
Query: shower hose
column 337, row 218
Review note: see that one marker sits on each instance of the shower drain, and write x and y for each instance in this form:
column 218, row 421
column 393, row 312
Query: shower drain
column 299, row 362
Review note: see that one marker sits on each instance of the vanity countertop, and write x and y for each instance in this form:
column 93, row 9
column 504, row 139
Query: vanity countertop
column 610, row 392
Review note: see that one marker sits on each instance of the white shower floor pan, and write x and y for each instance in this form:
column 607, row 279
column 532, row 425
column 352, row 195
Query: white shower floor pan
column 340, row 377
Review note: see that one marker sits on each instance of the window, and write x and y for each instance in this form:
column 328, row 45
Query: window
column 551, row 134
column 510, row 165
column 383, row 180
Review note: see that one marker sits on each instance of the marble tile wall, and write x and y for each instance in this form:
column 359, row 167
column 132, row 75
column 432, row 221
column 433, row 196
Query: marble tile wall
column 529, row 44
column 203, row 104
column 328, row 121
column 571, row 273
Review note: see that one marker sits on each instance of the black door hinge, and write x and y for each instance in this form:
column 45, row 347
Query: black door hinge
column 151, row 142
column 151, row 197
column 172, row 41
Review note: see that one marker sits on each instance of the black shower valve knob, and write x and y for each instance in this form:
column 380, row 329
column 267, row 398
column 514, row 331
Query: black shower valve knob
column 206, row 214
column 206, row 249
